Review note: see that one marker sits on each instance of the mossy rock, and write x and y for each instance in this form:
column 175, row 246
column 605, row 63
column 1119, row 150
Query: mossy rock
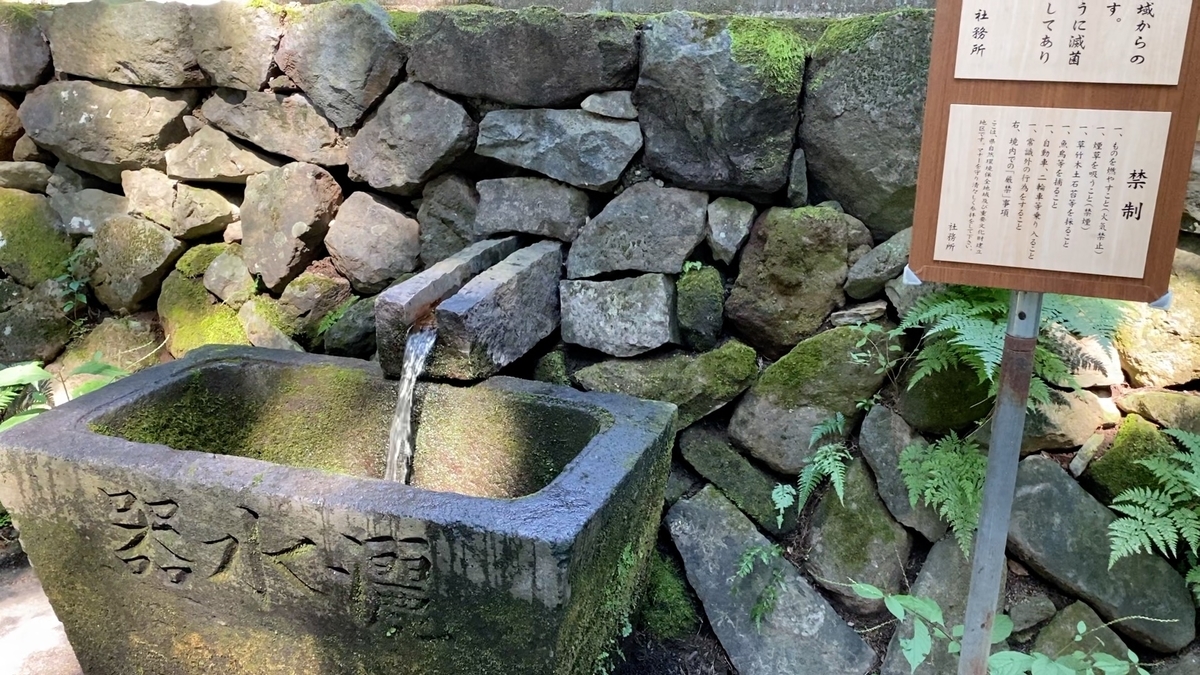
column 191, row 317
column 125, row 342
column 821, row 371
column 195, row 262
column 1059, row 636
column 552, row 367
column 1170, row 409
column 944, row 401
column 857, row 539
column 747, row 486
column 32, row 250
column 700, row 307
column 699, row 385
column 668, row 607
column 1118, row 470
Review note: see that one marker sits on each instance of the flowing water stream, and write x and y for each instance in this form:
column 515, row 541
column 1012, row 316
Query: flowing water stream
column 400, row 441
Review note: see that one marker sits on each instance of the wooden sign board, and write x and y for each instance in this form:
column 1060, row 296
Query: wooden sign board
column 1057, row 144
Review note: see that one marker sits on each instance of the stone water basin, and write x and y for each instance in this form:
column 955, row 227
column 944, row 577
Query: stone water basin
column 224, row 514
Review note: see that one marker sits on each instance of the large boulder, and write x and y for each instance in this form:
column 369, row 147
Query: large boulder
column 287, row 125
column 192, row 318
column 699, row 385
column 139, row 124
column 484, row 53
column 35, row 328
column 25, row 176
column 498, row 316
column 81, row 212
column 1091, row 363
column 32, row 248
column 411, row 137
column 1143, row 590
column 718, row 106
column 145, row 44
column 855, row 539
column 647, row 228
column 863, row 109
column 449, row 204
column 235, row 43
column 532, row 205
column 1160, row 348
column 308, row 299
column 134, row 254
column 801, row 636
column 209, row 155
column 791, row 275
column 810, row 385
column 344, row 55
column 1119, row 468
column 883, row 437
column 573, row 146
column 1171, row 409
column 947, row 400
column 189, row 212
column 748, row 487
column 285, row 217
column 885, row 262
column 625, row 317
column 129, row 343
column 26, row 62
column 1065, row 423
column 372, row 243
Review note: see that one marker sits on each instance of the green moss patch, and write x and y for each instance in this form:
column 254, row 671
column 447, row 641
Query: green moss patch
column 1118, row 469
column 321, row 417
column 192, row 318
column 849, row 34
column 31, row 249
column 668, row 611
column 820, row 371
column 774, row 49
column 195, row 262
column 402, row 23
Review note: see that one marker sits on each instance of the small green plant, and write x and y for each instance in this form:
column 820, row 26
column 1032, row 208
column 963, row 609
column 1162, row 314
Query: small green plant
column 331, row 318
column 692, row 266
column 929, row 625
column 22, row 393
column 877, row 347
column 24, row 388
column 5, row 518
column 965, row 326
column 1163, row 518
column 765, row 603
column 948, row 476
column 829, row 461
column 73, row 286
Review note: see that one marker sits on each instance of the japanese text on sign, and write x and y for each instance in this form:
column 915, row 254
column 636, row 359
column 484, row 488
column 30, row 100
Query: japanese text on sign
column 1051, row 188
column 1112, row 41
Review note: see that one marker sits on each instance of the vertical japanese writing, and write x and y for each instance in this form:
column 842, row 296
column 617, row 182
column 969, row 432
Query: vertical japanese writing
column 1145, row 11
column 980, row 33
column 986, row 196
column 1010, row 171
column 1076, row 44
column 1048, row 35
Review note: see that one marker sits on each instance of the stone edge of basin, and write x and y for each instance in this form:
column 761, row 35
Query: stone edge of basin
column 557, row 512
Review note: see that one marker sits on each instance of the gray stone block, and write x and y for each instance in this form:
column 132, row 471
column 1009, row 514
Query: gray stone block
column 625, row 317
column 399, row 307
column 498, row 316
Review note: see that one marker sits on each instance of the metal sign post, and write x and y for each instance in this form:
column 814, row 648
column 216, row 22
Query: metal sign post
column 1008, row 428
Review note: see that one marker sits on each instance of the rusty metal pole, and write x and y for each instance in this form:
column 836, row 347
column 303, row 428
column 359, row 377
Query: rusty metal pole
column 1008, row 428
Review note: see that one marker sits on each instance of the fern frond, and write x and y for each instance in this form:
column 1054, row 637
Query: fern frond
column 1189, row 440
column 1187, row 525
column 1126, row 537
column 948, row 476
column 834, row 426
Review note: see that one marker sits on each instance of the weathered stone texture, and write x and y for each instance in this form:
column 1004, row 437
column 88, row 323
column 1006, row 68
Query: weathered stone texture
column 532, row 205
column 135, row 255
column 145, row 44
column 626, row 317
column 372, row 243
column 235, row 43
column 285, row 217
column 138, row 124
column 449, row 205
column 344, row 56
column 210, row 155
column 411, row 137
column 286, row 125
column 485, row 53
column 26, row 53
column 712, row 121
